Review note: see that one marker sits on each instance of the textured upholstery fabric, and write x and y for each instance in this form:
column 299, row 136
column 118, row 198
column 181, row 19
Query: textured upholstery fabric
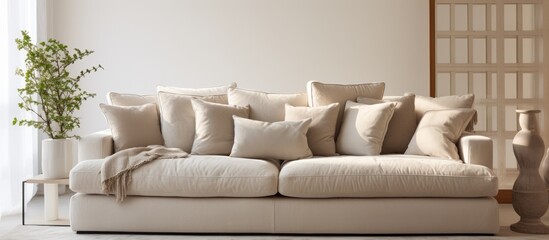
column 96, row 145
column 402, row 125
column 385, row 176
column 476, row 149
column 197, row 91
column 194, row 176
column 286, row 140
column 133, row 126
column 286, row 215
column 177, row 118
column 90, row 212
column 267, row 107
column 214, row 127
column 386, row 194
column 321, row 133
column 387, row 216
column 438, row 131
column 363, row 128
column 424, row 104
column 127, row 99
column 321, row 94
column 473, row 149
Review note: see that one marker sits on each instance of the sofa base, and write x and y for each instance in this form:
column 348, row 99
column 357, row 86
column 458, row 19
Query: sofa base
column 278, row 214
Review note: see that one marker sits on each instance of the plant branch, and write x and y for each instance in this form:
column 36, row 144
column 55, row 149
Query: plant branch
column 58, row 94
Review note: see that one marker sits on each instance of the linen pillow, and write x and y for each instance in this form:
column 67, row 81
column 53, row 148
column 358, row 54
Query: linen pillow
column 133, row 126
column 402, row 125
column 321, row 94
column 177, row 118
column 424, row 104
column 197, row 91
column 214, row 127
column 321, row 134
column 127, row 99
column 363, row 128
column 268, row 107
column 437, row 133
column 286, row 140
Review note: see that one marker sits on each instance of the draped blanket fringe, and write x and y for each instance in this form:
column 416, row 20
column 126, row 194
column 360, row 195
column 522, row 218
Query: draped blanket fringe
column 117, row 169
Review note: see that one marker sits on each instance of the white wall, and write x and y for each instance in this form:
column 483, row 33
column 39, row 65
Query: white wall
column 274, row 46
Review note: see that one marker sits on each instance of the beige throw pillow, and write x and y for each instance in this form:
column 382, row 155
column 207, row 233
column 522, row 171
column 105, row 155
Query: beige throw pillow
column 424, row 104
column 133, row 126
column 127, row 99
column 321, row 134
column 363, row 128
column 438, row 132
column 286, row 140
column 402, row 125
column 197, row 91
column 177, row 118
column 322, row 94
column 214, row 127
column 268, row 107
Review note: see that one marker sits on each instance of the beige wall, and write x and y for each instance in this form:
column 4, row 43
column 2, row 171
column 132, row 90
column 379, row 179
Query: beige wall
column 270, row 45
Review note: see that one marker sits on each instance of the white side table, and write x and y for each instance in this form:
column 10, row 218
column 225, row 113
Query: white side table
column 51, row 200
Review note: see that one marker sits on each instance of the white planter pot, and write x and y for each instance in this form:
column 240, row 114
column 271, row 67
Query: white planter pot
column 57, row 157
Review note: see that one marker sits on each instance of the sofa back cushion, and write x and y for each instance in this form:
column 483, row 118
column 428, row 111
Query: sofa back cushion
column 268, row 107
column 321, row 133
column 321, row 94
column 363, row 128
column 197, row 91
column 214, row 127
column 177, row 118
column 133, row 126
column 128, row 99
column 286, row 140
column 424, row 104
column 402, row 125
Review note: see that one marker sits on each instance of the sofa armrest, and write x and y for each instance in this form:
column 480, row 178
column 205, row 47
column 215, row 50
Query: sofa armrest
column 95, row 146
column 476, row 149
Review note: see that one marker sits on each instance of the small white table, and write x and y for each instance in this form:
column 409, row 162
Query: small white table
column 51, row 200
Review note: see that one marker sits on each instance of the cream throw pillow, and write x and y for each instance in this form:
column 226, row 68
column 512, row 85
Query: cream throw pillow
column 197, row 91
column 437, row 133
column 363, row 128
column 133, row 126
column 402, row 125
column 321, row 134
column 127, row 99
column 214, row 127
column 424, row 104
column 322, row 94
column 268, row 107
column 286, row 140
column 177, row 118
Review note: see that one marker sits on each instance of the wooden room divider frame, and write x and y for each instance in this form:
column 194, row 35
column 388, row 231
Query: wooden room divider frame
column 492, row 48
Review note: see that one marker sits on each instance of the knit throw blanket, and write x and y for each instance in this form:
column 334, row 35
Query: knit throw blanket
column 116, row 171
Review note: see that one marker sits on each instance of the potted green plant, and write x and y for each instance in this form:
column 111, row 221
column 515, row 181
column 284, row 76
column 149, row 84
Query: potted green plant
column 53, row 96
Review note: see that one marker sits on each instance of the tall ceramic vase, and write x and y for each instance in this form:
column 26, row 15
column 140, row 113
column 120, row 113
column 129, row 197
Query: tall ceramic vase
column 544, row 170
column 529, row 192
column 57, row 157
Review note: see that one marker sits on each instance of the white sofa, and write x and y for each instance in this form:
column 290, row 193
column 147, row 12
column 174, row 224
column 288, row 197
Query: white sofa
column 386, row 194
column 342, row 194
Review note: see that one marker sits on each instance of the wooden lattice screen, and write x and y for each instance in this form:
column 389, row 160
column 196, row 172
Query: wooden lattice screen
column 492, row 48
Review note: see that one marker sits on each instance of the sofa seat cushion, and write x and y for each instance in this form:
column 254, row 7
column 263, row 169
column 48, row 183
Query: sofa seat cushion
column 385, row 176
column 194, row 176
